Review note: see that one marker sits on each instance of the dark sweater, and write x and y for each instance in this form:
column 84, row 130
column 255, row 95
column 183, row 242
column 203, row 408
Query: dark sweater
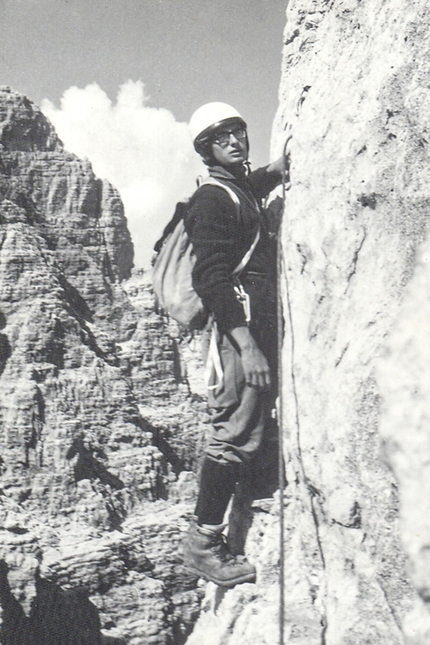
column 221, row 237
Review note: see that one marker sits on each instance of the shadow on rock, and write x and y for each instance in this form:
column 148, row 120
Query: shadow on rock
column 5, row 348
column 259, row 482
column 57, row 616
column 87, row 465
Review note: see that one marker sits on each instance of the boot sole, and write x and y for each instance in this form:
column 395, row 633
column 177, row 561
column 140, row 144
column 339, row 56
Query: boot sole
column 250, row 577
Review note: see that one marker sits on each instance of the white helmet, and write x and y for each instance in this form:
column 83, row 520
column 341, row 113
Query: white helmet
column 209, row 117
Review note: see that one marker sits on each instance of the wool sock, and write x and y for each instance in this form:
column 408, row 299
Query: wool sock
column 217, row 485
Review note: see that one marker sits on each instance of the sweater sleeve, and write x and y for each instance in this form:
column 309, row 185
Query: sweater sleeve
column 262, row 182
column 212, row 223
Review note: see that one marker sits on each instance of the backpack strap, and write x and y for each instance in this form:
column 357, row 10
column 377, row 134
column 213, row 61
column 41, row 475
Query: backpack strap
column 211, row 181
column 246, row 258
column 213, row 364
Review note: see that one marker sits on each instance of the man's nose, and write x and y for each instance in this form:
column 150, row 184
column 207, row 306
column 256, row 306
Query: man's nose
column 235, row 139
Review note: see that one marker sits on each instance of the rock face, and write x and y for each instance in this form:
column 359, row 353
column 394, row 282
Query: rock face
column 404, row 383
column 90, row 380
column 355, row 96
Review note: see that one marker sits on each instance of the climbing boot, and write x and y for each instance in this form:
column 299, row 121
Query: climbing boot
column 205, row 554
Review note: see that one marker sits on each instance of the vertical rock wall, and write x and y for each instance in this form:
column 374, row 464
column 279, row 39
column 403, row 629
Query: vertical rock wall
column 355, row 96
column 404, row 382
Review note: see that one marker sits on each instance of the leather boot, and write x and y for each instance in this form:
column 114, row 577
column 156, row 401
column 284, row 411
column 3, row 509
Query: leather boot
column 205, row 554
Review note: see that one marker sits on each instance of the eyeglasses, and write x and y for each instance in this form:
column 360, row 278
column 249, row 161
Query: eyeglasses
column 223, row 138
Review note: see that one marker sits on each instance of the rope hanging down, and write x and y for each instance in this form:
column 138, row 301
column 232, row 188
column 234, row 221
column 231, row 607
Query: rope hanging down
column 310, row 490
column 281, row 471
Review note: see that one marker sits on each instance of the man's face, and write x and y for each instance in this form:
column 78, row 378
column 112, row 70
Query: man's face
column 229, row 146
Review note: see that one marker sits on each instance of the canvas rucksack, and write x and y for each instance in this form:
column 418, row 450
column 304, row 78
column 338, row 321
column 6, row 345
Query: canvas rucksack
column 174, row 263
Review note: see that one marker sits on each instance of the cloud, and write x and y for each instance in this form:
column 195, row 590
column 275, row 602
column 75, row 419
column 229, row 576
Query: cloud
column 143, row 151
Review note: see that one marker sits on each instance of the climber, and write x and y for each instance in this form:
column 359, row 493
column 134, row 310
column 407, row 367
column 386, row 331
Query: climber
column 244, row 394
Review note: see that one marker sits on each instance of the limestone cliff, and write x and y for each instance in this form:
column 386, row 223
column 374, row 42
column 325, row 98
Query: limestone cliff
column 97, row 422
column 355, row 96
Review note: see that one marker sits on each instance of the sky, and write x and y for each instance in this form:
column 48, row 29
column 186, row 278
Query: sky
column 119, row 79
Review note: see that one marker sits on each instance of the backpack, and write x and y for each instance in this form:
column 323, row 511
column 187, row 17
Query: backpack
column 173, row 266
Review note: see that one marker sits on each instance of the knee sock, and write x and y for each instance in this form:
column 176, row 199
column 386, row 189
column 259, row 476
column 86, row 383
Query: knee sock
column 217, row 484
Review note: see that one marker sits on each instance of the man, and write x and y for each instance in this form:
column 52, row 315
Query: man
column 243, row 398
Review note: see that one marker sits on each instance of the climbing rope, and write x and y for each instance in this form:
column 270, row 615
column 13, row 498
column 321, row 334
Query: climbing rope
column 309, row 489
column 281, row 470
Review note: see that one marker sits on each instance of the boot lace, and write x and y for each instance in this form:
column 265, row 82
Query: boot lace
column 220, row 550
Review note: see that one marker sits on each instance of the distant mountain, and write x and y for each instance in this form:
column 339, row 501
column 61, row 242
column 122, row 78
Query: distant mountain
column 98, row 429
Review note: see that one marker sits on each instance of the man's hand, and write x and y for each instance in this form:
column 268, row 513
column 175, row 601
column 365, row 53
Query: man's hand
column 254, row 363
column 282, row 165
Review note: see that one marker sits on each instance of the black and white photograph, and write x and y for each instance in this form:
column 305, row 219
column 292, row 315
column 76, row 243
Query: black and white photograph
column 215, row 322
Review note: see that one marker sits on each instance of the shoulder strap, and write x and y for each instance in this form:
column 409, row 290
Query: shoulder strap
column 246, row 258
column 211, row 181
